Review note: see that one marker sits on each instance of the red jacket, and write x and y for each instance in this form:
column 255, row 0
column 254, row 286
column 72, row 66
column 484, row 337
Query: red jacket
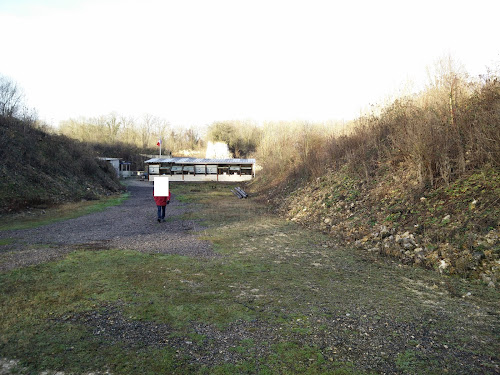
column 161, row 201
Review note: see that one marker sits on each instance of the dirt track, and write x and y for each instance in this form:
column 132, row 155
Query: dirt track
column 131, row 225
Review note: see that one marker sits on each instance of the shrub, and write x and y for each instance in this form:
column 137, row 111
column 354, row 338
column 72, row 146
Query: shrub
column 437, row 136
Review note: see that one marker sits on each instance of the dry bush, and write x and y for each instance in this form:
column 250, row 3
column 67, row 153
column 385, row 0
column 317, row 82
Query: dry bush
column 359, row 149
column 418, row 138
column 480, row 125
column 274, row 152
column 292, row 149
column 242, row 137
column 437, row 136
column 441, row 142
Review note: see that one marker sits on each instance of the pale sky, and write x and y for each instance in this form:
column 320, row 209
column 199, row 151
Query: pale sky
column 193, row 62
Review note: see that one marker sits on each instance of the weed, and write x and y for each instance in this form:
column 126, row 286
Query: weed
column 407, row 362
column 6, row 241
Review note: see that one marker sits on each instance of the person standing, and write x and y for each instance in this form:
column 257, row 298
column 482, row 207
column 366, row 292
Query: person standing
column 161, row 203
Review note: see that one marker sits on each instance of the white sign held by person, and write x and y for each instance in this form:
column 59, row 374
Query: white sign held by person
column 161, row 186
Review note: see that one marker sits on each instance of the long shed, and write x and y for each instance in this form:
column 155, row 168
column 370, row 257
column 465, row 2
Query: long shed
column 195, row 169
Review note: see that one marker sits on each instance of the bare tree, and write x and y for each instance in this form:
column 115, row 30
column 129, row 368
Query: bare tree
column 113, row 125
column 128, row 133
column 192, row 138
column 11, row 98
column 448, row 80
column 147, row 126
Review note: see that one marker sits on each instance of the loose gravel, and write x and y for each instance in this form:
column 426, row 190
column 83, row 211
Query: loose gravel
column 131, row 225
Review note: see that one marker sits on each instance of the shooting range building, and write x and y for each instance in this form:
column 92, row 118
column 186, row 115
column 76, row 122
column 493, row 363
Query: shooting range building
column 193, row 169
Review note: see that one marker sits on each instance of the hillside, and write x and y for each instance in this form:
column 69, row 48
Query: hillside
column 419, row 182
column 452, row 229
column 41, row 169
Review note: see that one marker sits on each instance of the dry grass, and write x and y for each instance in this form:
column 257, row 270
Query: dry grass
column 433, row 137
column 40, row 169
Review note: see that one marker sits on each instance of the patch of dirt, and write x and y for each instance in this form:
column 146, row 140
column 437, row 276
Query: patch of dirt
column 369, row 340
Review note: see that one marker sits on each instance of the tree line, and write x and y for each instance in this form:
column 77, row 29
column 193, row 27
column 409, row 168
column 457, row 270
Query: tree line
column 143, row 133
column 438, row 133
column 242, row 137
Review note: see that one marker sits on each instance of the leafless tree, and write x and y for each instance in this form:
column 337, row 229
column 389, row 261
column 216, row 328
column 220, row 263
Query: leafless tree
column 147, row 126
column 11, row 98
column 113, row 125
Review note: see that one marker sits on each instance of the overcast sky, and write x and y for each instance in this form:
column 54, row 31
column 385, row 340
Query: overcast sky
column 194, row 62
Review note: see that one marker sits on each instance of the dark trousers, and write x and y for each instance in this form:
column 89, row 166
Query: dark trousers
column 161, row 212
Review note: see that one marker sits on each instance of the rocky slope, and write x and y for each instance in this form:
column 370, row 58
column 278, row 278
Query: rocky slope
column 453, row 229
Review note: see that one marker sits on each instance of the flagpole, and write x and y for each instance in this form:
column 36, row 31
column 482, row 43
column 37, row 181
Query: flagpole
column 160, row 148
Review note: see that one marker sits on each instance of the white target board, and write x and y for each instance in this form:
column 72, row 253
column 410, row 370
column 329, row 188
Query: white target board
column 161, row 186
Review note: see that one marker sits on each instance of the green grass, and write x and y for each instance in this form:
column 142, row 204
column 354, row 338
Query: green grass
column 279, row 300
column 63, row 212
column 6, row 241
column 38, row 302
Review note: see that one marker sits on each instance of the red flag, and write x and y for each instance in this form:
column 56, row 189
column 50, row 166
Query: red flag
column 158, row 143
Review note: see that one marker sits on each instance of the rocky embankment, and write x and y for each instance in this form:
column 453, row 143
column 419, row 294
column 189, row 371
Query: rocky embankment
column 453, row 229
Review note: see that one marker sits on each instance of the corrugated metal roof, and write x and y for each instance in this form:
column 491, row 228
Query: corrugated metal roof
column 200, row 161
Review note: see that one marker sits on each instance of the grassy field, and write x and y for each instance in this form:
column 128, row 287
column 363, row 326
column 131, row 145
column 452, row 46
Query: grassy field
column 278, row 299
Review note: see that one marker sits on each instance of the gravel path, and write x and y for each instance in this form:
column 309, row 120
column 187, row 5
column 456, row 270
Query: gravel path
column 131, row 225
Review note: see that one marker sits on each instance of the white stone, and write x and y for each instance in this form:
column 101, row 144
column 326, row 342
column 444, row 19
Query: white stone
column 442, row 264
